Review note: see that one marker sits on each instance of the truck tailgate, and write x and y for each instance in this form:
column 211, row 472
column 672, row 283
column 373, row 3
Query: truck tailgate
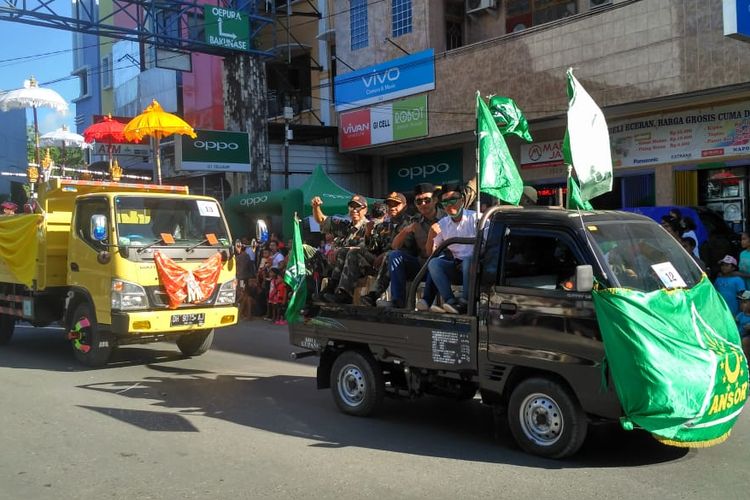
column 434, row 341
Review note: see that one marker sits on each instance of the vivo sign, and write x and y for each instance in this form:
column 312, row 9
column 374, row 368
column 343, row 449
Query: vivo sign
column 386, row 81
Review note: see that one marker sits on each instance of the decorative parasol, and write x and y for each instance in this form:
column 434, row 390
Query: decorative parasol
column 61, row 138
column 33, row 96
column 156, row 123
column 108, row 130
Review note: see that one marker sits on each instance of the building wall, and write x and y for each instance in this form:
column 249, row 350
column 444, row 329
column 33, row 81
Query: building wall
column 635, row 58
column 12, row 147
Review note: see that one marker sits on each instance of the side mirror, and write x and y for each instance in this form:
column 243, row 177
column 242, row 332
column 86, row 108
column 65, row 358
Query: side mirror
column 584, row 278
column 98, row 227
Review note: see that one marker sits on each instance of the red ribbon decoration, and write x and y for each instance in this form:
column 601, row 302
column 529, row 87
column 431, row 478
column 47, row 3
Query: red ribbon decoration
column 180, row 283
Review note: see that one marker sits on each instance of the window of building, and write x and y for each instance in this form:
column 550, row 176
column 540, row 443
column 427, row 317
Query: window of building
column 401, row 23
column 83, row 82
column 106, row 70
column 522, row 14
column 289, row 85
column 358, row 14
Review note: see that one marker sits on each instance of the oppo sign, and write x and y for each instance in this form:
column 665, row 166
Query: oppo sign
column 216, row 145
column 423, row 171
column 253, row 200
column 437, row 168
column 213, row 151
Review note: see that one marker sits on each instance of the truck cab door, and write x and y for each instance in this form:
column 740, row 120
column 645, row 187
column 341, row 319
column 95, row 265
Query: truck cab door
column 533, row 315
column 85, row 272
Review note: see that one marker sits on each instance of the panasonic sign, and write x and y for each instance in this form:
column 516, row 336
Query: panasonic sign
column 213, row 151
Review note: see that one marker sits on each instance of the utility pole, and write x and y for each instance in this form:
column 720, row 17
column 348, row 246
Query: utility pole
column 288, row 135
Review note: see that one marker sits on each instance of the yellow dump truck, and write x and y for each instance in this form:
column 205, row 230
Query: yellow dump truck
column 116, row 264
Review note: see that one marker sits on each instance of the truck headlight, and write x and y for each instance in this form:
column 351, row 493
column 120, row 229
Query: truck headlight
column 128, row 296
column 227, row 293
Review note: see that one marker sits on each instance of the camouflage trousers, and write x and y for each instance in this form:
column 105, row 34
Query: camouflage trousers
column 351, row 265
column 383, row 277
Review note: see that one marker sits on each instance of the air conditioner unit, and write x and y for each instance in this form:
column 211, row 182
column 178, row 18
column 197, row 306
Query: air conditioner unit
column 474, row 6
column 593, row 4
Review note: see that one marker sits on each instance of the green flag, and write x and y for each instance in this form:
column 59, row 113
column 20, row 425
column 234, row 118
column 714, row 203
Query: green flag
column 295, row 275
column 574, row 200
column 509, row 118
column 586, row 144
column 676, row 361
column 498, row 174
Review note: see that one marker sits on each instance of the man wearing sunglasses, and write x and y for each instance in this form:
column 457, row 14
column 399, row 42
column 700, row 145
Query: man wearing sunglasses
column 459, row 222
column 408, row 249
column 351, row 233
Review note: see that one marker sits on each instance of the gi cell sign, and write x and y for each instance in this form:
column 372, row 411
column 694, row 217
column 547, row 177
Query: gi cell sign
column 400, row 77
column 396, row 121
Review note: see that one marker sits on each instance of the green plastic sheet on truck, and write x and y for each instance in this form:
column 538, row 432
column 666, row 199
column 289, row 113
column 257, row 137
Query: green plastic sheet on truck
column 675, row 360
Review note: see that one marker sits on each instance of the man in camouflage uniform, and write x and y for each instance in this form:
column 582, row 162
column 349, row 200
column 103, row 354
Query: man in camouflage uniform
column 380, row 244
column 409, row 251
column 350, row 235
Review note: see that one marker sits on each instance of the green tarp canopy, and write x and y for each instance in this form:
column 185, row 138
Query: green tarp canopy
column 286, row 202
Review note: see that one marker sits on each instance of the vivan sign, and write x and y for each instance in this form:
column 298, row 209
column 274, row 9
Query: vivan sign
column 388, row 122
column 213, row 151
column 400, row 77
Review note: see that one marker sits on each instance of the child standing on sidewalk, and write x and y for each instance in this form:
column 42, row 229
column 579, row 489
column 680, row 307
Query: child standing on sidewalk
column 277, row 297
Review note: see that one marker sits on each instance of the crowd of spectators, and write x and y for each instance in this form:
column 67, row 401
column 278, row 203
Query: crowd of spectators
column 260, row 274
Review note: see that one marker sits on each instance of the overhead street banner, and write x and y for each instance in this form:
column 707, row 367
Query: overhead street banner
column 213, row 151
column 229, row 29
column 394, row 121
column 400, row 77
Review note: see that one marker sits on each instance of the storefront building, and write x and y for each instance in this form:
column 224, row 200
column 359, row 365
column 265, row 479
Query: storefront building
column 674, row 89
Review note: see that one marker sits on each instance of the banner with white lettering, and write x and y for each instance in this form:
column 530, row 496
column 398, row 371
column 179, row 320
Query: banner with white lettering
column 394, row 121
column 438, row 167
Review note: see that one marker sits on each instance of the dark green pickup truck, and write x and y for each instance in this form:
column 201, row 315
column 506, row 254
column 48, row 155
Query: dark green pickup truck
column 529, row 344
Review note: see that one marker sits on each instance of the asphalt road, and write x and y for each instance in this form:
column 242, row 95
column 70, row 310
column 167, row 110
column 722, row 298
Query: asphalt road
column 243, row 421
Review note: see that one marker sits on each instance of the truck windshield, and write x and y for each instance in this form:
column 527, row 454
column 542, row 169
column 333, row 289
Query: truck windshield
column 642, row 256
column 144, row 220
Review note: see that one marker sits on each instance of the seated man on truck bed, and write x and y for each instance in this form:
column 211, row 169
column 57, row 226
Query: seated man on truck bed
column 459, row 222
column 352, row 253
column 408, row 253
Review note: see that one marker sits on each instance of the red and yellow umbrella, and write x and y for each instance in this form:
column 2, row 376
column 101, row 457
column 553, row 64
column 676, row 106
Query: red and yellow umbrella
column 156, row 123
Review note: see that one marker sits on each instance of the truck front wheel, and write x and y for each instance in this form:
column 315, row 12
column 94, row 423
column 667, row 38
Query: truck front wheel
column 357, row 384
column 545, row 419
column 196, row 343
column 92, row 345
column 7, row 326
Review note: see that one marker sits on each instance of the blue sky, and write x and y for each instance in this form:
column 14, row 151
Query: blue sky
column 25, row 52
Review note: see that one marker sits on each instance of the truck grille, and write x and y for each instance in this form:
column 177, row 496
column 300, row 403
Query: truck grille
column 158, row 298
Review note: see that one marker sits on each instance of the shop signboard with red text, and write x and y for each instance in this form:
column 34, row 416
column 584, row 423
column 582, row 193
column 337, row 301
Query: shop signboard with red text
column 390, row 122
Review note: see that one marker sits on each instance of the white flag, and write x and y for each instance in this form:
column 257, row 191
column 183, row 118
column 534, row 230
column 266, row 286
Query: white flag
column 588, row 140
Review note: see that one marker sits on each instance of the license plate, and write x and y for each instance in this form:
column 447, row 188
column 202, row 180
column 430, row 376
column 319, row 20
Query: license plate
column 187, row 319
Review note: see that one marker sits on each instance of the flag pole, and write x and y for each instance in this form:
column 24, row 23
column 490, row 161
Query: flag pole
column 476, row 154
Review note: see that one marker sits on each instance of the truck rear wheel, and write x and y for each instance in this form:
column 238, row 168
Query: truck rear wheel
column 545, row 419
column 196, row 343
column 92, row 346
column 7, row 327
column 357, row 384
